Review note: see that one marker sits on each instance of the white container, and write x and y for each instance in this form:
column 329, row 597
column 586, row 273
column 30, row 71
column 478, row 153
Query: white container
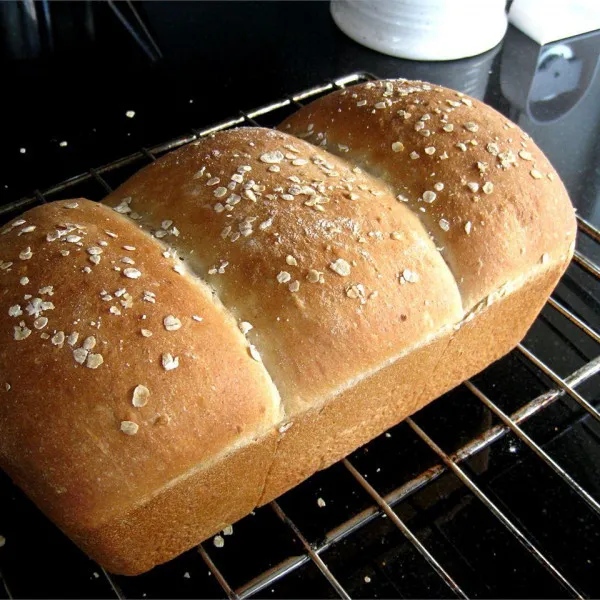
column 423, row 29
column 550, row 20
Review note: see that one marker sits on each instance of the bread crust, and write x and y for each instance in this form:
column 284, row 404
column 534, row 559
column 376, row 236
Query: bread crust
column 227, row 489
column 501, row 208
column 323, row 336
column 62, row 422
column 313, row 301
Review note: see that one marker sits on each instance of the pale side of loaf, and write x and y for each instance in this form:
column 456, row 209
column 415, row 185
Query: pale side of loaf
column 360, row 297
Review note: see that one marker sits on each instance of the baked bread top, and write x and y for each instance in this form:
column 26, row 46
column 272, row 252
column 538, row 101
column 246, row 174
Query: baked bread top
column 483, row 190
column 249, row 276
column 119, row 374
column 334, row 274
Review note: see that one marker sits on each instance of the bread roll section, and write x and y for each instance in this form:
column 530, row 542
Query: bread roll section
column 481, row 187
column 120, row 375
column 335, row 276
column 253, row 307
column 497, row 212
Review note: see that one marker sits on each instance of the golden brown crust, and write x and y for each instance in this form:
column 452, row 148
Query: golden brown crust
column 498, row 208
column 62, row 422
column 405, row 386
column 492, row 332
column 230, row 487
column 183, row 515
column 319, row 437
column 324, row 336
column 358, row 317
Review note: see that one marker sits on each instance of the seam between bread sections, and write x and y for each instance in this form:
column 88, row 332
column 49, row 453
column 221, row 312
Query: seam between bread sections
column 451, row 330
column 503, row 291
column 353, row 162
column 182, row 265
column 471, row 311
column 185, row 269
column 483, row 305
column 263, row 434
column 324, row 401
column 268, row 472
column 209, row 289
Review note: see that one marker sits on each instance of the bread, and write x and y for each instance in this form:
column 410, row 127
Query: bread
column 282, row 306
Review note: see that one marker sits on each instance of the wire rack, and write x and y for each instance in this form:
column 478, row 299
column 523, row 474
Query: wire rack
column 327, row 559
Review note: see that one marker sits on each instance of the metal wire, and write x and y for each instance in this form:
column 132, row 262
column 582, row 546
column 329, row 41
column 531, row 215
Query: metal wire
column 527, row 411
column 116, row 589
column 40, row 197
column 588, row 228
column 218, row 575
column 311, row 551
column 587, row 264
column 148, row 154
column 412, row 538
column 249, row 119
column 101, row 181
column 540, row 452
column 298, row 105
column 474, row 488
column 5, row 585
column 560, row 381
column 270, row 576
column 574, row 319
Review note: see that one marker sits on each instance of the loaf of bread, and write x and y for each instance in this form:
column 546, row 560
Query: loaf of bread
column 256, row 305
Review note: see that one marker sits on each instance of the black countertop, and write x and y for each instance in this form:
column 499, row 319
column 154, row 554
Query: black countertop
column 218, row 59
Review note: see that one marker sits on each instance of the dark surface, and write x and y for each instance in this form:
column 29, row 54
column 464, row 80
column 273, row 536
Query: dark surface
column 77, row 84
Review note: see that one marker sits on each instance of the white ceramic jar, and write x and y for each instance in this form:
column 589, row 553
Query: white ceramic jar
column 423, row 29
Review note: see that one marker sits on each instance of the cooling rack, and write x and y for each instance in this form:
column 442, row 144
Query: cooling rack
column 490, row 491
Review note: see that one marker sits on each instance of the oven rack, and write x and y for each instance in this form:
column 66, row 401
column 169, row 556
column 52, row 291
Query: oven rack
column 510, row 423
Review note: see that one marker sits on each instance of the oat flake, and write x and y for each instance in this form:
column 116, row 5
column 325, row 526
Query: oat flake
column 132, row 273
column 129, row 427
column 169, row 362
column 141, row 394
column 341, row 267
column 171, row 323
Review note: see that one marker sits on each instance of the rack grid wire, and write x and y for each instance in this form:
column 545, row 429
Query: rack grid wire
column 382, row 504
